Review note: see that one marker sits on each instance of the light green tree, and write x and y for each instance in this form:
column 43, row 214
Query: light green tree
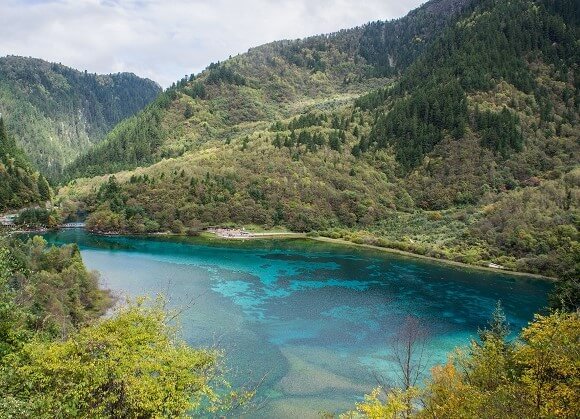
column 131, row 365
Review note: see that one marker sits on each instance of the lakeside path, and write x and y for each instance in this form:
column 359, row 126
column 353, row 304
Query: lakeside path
column 242, row 234
column 290, row 235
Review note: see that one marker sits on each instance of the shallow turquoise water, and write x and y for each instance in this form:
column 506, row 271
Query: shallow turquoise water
column 315, row 319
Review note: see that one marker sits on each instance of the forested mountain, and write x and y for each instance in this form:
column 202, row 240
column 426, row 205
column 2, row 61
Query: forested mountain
column 452, row 132
column 273, row 81
column 20, row 185
column 55, row 112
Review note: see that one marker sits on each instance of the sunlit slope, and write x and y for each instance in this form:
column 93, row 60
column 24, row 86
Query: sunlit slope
column 270, row 82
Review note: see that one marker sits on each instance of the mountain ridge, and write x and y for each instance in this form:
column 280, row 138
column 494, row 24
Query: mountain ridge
column 55, row 112
column 274, row 80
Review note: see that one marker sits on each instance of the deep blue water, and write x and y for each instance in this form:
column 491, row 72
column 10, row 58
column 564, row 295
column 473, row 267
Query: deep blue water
column 315, row 319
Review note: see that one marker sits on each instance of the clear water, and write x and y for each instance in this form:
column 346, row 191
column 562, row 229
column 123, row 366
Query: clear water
column 314, row 319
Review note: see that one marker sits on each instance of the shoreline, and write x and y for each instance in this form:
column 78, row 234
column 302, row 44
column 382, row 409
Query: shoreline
column 27, row 231
column 432, row 259
column 254, row 236
column 322, row 239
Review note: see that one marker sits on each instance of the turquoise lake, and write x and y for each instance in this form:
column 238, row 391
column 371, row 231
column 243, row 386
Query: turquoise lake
column 314, row 319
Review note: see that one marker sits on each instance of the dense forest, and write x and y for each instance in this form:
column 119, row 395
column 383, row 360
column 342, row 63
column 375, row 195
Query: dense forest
column 430, row 100
column 476, row 123
column 20, row 185
column 55, row 112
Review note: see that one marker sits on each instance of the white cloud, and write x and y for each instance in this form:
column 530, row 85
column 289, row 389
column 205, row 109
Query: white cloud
column 166, row 39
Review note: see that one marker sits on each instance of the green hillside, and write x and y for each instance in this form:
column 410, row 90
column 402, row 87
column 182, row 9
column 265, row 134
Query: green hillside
column 273, row 81
column 20, row 185
column 55, row 112
column 456, row 139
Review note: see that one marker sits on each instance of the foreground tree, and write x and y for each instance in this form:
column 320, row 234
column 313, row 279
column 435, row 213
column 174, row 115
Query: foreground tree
column 537, row 376
column 129, row 366
column 409, row 359
column 44, row 290
column 408, row 350
column 549, row 361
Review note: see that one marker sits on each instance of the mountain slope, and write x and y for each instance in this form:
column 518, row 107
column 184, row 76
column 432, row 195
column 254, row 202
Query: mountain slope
column 55, row 112
column 469, row 154
column 276, row 80
column 19, row 184
column 487, row 47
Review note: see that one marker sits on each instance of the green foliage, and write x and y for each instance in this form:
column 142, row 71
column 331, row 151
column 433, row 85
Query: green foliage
column 134, row 141
column 467, row 153
column 197, row 90
column 567, row 9
column 392, row 46
column 44, row 189
column 44, row 290
column 206, row 191
column 498, row 327
column 54, row 112
column 537, row 226
column 566, row 295
column 111, row 192
column 188, row 113
column 37, row 217
column 415, row 125
column 19, row 184
column 7, row 144
column 12, row 334
column 535, row 377
column 130, row 365
column 220, row 73
column 492, row 44
column 56, row 359
column 499, row 131
column 271, row 82
column 306, row 120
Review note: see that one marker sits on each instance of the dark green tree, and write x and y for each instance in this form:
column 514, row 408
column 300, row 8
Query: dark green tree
column 43, row 188
column 497, row 327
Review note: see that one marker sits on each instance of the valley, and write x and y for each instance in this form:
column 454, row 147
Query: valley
column 221, row 149
column 378, row 222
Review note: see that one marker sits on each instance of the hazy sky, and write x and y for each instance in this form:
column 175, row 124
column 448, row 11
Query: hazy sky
column 166, row 39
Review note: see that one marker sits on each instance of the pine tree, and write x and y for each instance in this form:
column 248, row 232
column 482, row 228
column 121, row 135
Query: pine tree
column 188, row 113
column 4, row 145
column 43, row 189
column 497, row 327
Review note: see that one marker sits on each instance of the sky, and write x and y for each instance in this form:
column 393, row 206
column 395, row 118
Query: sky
column 166, row 39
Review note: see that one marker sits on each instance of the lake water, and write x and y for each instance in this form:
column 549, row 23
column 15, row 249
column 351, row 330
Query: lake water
column 315, row 319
